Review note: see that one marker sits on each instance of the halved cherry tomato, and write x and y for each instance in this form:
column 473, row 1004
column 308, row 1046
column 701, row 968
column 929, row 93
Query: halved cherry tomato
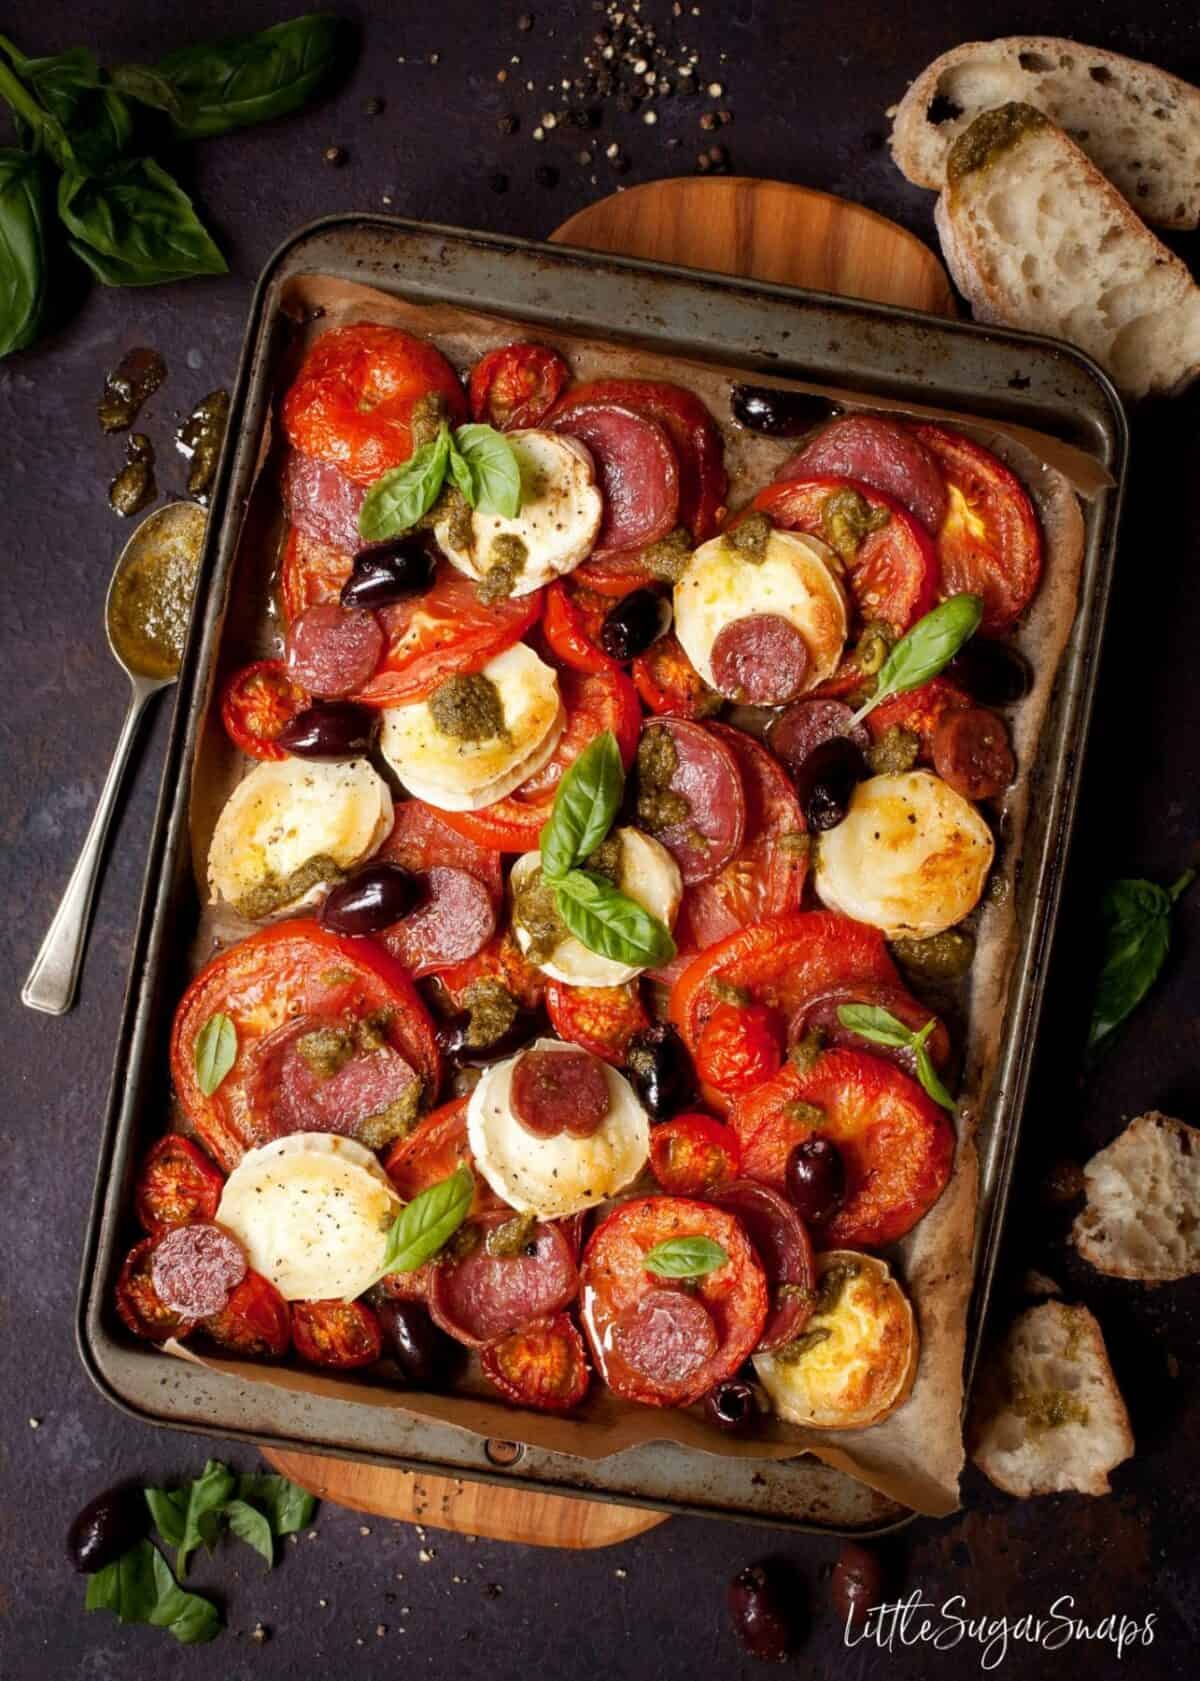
column 990, row 542
column 543, row 1366
column 255, row 1321
column 739, row 1047
column 436, row 1149
column 309, row 571
column 920, row 710
column 668, row 681
column 694, row 1156
column 500, row 960
column 291, row 970
column 178, row 1183
column 517, row 385
column 352, row 401
column 336, row 1333
column 571, row 625
column 603, row 1019
column 894, row 574
column 897, row 1145
column 445, row 632
column 595, row 701
column 258, row 701
column 141, row 1308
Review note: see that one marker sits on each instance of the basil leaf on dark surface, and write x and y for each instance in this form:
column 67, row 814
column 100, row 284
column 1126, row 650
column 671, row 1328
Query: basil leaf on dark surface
column 397, row 500
column 495, row 475
column 610, row 923
column 1136, row 918
column 79, row 96
column 685, row 1257
column 141, row 82
column 881, row 1027
column 927, row 648
column 135, row 226
column 215, row 1052
column 289, row 1507
column 250, row 78
column 138, row 1587
column 250, row 1525
column 428, row 1222
column 190, row 1516
column 37, row 128
column 587, row 800
column 22, row 249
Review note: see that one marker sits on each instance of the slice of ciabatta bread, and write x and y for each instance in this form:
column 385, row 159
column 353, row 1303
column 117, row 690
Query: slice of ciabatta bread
column 1142, row 1217
column 1139, row 126
column 1047, row 1414
column 1035, row 237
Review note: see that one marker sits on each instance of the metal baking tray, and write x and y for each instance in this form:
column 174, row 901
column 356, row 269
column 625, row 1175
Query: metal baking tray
column 763, row 329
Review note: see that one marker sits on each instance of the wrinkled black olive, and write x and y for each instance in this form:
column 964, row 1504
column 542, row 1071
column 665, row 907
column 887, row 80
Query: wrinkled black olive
column 391, row 572
column 330, row 729
column 661, row 1070
column 422, row 1352
column 452, row 1034
column 636, row 621
column 777, row 413
column 731, row 1406
column 815, row 1179
column 761, row 1606
column 856, row 1584
column 826, row 781
column 372, row 898
column 107, row 1527
column 996, row 673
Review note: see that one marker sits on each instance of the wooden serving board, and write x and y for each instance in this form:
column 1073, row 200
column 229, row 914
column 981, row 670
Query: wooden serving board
column 761, row 230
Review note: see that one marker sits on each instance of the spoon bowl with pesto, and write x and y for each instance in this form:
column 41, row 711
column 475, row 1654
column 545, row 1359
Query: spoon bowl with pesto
column 146, row 619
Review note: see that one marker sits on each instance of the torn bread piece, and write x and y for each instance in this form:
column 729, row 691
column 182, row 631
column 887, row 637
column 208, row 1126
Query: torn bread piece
column 1142, row 1217
column 1047, row 1415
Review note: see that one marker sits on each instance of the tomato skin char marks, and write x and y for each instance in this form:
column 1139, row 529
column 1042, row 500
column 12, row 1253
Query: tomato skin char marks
column 254, row 1324
column 257, row 702
column 615, row 1279
column 667, row 681
column 344, row 1335
column 543, row 1366
column 601, row 1019
column 178, row 1183
column 517, row 385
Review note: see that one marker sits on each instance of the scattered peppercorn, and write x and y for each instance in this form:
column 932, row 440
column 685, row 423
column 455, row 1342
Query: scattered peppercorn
column 334, row 155
column 718, row 155
column 525, row 22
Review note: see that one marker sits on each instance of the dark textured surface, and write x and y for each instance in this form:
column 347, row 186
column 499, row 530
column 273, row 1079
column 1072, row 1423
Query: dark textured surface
column 808, row 94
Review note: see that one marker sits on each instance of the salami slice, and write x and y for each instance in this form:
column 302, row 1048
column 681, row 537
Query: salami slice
column 665, row 1337
column 881, row 453
column 195, row 1269
column 322, row 502
column 453, row 920
column 312, row 1075
column 637, row 471
column 761, row 659
column 782, row 1244
column 420, row 839
column 560, row 1091
column 705, row 776
column 971, row 752
column 806, row 724
column 333, row 650
column 480, row 1297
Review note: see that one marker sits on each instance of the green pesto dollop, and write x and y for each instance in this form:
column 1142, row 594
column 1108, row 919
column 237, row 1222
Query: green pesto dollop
column 512, row 1237
column 667, row 558
column 274, row 892
column 396, row 1121
column 896, row 750
column 804, row 1114
column 492, row 1009
column 136, row 377
column 804, row 1053
column 424, row 423
column 989, row 137
column 134, row 487
column 326, row 1051
column 506, row 559
column 846, row 518
column 1048, row 1409
column 535, row 911
column 750, row 537
column 454, row 511
column 199, row 440
column 799, row 1346
column 832, row 1285
column 659, row 806
column 468, row 708
column 939, row 957
column 606, row 859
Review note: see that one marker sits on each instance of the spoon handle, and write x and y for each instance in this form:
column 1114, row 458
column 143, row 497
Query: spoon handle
column 55, row 973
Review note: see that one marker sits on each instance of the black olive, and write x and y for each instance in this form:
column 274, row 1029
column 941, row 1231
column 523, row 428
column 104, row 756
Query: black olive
column 826, row 780
column 996, row 673
column 107, row 1527
column 372, row 898
column 423, row 1354
column 452, row 1032
column 391, row 572
column 661, row 1070
column 777, row 413
column 856, row 1584
column 731, row 1406
column 815, row 1179
column 636, row 621
column 330, row 729
column 761, row 1606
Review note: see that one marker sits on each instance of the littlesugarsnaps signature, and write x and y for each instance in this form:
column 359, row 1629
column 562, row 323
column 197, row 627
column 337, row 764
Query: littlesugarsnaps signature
column 914, row 1621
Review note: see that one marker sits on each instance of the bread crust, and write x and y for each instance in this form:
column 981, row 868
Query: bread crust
column 1142, row 1214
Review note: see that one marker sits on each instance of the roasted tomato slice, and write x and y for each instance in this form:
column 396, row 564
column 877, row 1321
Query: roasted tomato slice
column 141, row 1308
column 694, row 1156
column 667, row 1352
column 420, row 839
column 517, row 385
column 603, row 1019
column 335, row 1333
column 571, row 625
column 667, row 681
column 292, row 971
column 543, row 1366
column 351, row 403
column 309, row 572
column 502, row 961
column 438, row 1148
column 920, row 710
column 896, row 1143
column 990, row 542
column 740, row 1046
column 178, row 1183
column 258, row 701
column 255, row 1322
column 893, row 570
column 595, row 701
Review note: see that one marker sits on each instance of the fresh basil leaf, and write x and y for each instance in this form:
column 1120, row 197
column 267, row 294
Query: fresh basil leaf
column 79, row 96
column 141, row 82
column 168, row 1512
column 1136, row 919
column 588, row 798
column 190, row 1617
column 250, row 78
column 39, row 129
column 610, row 923
column 927, row 1074
column 191, row 1514
column 684, row 1257
column 215, row 1052
column 401, row 497
column 289, row 1507
column 138, row 1587
column 460, row 472
column 23, row 269
column 135, row 226
column 495, row 474
column 928, row 647
column 251, row 1526
column 428, row 1222
column 871, row 1022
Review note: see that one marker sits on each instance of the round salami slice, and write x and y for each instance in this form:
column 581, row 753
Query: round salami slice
column 806, row 724
column 881, row 453
column 666, row 1336
column 454, row 918
column 781, row 1243
column 195, row 1269
column 560, row 1091
column 333, row 650
column 322, row 502
column 971, row 752
column 637, row 471
column 761, row 660
column 478, row 1296
column 704, row 775
column 313, row 1075
column 420, row 839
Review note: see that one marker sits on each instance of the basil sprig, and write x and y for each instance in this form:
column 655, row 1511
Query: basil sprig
column 138, row 1587
column 1136, row 917
column 215, row 1052
column 609, row 922
column 247, row 79
column 881, row 1027
column 427, row 1223
column 685, row 1257
column 23, row 280
column 479, row 459
column 927, row 649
